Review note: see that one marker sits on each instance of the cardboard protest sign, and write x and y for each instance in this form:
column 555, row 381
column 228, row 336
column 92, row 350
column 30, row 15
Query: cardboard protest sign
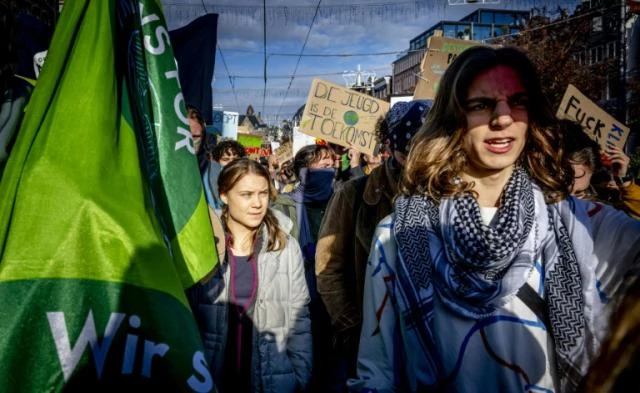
column 433, row 66
column 441, row 52
column 598, row 124
column 284, row 152
column 342, row 116
column 225, row 124
column 451, row 45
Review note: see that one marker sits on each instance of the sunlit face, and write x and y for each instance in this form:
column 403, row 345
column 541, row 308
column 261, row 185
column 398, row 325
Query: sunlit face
column 581, row 177
column 325, row 161
column 227, row 157
column 247, row 202
column 497, row 122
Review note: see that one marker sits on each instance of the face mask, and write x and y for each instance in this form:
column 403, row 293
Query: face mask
column 318, row 183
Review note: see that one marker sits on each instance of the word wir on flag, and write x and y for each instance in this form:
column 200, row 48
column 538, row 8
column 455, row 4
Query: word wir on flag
column 103, row 222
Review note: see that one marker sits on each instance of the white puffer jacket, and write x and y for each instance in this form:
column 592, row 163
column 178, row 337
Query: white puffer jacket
column 282, row 357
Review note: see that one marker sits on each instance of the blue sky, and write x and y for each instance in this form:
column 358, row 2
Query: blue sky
column 361, row 28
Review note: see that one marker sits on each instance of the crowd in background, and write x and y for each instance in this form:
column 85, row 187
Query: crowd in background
column 483, row 248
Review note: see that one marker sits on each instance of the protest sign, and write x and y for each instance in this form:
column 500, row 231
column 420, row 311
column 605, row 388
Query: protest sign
column 254, row 145
column 342, row 116
column 225, row 124
column 249, row 140
column 441, row 52
column 300, row 140
column 451, row 45
column 434, row 64
column 598, row 124
column 284, row 152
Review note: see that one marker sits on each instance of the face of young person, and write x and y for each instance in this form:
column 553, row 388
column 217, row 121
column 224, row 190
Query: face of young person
column 581, row 177
column 247, row 202
column 195, row 127
column 497, row 122
column 227, row 157
column 325, row 161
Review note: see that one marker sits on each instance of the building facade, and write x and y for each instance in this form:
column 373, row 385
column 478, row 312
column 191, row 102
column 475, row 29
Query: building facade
column 479, row 25
column 382, row 88
column 251, row 123
column 612, row 39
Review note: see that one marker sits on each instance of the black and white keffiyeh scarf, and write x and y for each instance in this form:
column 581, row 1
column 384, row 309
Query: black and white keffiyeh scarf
column 447, row 251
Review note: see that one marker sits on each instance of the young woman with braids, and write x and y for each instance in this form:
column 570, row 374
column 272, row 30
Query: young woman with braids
column 488, row 277
column 253, row 313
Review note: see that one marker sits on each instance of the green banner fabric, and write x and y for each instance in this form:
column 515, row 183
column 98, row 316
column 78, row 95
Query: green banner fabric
column 103, row 221
column 248, row 140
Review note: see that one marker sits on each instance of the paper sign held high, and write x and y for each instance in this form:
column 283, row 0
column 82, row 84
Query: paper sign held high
column 598, row 124
column 342, row 116
column 440, row 53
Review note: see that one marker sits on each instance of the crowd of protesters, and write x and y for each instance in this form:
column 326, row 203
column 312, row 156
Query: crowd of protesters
column 487, row 247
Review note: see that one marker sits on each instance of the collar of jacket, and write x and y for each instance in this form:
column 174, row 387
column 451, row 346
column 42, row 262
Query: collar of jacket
column 259, row 245
column 380, row 182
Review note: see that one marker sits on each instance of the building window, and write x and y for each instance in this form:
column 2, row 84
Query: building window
column 463, row 32
column 611, row 49
column 481, row 32
column 449, row 30
column 596, row 24
column 599, row 53
column 504, row 19
column 486, row 17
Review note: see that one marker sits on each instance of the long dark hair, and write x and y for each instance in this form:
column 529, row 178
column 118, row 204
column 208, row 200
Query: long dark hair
column 437, row 157
column 308, row 155
column 230, row 176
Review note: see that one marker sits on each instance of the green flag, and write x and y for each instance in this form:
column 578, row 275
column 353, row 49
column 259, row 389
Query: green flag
column 103, row 222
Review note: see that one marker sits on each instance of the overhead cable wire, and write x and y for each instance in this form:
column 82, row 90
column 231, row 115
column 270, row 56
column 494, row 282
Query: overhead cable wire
column 253, row 6
column 326, row 54
column 304, row 45
column 229, row 75
column 299, row 75
column 264, row 35
column 301, row 54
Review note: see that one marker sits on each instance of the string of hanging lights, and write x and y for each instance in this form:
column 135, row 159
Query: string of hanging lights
column 179, row 13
